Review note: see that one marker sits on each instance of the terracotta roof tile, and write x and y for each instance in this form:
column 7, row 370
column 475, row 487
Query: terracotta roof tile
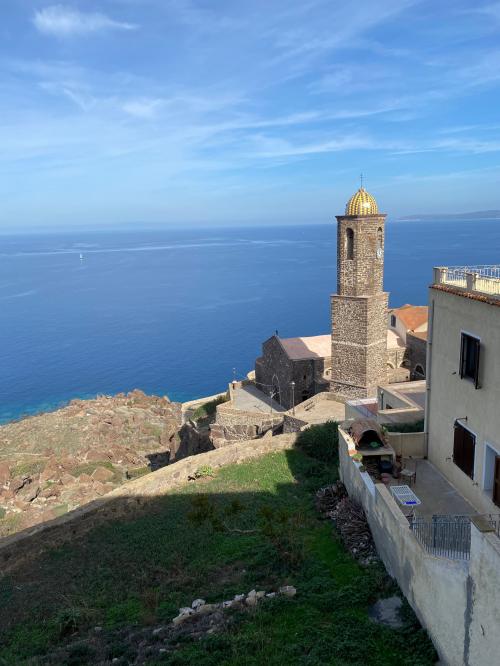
column 412, row 316
column 316, row 346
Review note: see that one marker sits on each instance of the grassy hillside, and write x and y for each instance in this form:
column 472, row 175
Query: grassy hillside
column 261, row 532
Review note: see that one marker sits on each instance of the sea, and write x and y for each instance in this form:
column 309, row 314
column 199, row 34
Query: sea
column 181, row 312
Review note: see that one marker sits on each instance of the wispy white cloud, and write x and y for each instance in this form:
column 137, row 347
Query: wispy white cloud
column 62, row 21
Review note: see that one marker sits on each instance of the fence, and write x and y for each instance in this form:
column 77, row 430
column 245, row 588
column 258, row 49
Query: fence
column 444, row 536
column 473, row 278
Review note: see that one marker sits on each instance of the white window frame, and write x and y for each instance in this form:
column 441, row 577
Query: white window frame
column 496, row 452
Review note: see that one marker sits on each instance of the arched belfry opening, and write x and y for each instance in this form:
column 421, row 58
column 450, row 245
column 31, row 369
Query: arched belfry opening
column 349, row 243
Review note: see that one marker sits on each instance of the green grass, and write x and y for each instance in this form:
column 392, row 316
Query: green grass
column 414, row 426
column 207, row 410
column 139, row 571
column 28, row 467
column 90, row 467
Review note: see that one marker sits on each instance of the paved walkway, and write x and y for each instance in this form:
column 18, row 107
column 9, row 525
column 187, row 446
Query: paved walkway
column 251, row 399
column 438, row 497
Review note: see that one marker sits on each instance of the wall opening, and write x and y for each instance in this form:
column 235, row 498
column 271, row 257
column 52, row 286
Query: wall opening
column 349, row 248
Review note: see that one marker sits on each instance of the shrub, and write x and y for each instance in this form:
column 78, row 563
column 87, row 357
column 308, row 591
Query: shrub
column 320, row 442
column 207, row 410
column 416, row 426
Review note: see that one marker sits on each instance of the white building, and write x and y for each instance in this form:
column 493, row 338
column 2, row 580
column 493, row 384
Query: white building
column 463, row 381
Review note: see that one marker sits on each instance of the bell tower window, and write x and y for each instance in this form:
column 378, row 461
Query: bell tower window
column 380, row 239
column 349, row 242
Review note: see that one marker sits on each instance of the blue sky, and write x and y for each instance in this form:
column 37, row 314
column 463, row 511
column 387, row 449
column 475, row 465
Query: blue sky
column 232, row 112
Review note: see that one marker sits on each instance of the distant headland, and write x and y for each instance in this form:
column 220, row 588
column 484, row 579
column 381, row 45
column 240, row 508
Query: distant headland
column 475, row 215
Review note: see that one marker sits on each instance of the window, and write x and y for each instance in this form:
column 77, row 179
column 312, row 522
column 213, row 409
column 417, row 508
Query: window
column 393, row 321
column 491, row 469
column 349, row 244
column 469, row 358
column 380, row 241
column 464, row 446
column 419, row 371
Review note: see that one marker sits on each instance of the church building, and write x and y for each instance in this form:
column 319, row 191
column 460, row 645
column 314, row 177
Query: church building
column 368, row 344
column 359, row 308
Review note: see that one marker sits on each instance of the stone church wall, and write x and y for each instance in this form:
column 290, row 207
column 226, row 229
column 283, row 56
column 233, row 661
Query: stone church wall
column 416, row 354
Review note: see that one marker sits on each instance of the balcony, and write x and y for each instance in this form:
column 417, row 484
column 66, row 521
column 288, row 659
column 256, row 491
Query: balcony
column 472, row 279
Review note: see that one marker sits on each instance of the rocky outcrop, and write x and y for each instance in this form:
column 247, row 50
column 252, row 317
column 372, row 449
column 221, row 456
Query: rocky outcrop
column 55, row 462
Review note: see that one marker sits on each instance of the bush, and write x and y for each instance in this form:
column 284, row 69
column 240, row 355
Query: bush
column 320, row 442
column 207, row 410
column 416, row 426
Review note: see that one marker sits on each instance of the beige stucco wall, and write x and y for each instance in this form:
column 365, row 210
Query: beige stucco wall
column 457, row 601
column 451, row 398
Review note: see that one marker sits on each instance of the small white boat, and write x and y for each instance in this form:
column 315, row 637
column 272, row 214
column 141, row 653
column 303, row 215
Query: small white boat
column 81, row 256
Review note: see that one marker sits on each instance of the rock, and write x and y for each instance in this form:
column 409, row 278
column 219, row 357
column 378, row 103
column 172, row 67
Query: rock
column 239, row 597
column 4, row 473
column 186, row 610
column 97, row 630
column 19, row 482
column 29, row 492
column 157, row 631
column 102, row 474
column 260, row 594
column 387, row 612
column 84, row 478
column 288, row 591
column 197, row 603
column 271, row 595
column 179, row 619
column 68, row 479
column 206, row 608
column 99, row 488
column 227, row 604
column 251, row 599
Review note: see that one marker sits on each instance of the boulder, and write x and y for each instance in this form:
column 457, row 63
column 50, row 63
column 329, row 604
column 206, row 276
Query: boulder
column 67, row 479
column 197, row 603
column 288, row 591
column 102, row 474
column 4, row 473
column 84, row 478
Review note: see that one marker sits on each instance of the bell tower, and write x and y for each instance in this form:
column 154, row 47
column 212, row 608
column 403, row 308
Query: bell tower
column 359, row 308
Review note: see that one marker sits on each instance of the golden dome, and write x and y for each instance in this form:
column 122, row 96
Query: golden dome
column 361, row 203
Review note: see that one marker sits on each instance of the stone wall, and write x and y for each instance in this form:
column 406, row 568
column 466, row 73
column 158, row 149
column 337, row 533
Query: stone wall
column 359, row 345
column 232, row 424
column 275, row 369
column 127, row 499
column 455, row 600
column 416, row 354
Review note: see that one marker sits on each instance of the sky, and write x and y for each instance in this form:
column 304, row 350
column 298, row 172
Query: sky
column 190, row 112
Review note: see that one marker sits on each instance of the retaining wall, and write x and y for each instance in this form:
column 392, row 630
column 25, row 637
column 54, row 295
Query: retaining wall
column 455, row 600
column 122, row 501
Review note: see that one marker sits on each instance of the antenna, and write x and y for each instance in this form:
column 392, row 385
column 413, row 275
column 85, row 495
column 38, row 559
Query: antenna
column 361, row 179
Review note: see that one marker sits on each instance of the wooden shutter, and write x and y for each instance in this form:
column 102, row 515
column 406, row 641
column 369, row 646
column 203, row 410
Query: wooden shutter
column 476, row 369
column 458, row 446
column 464, row 447
column 463, row 343
column 468, row 453
column 496, row 482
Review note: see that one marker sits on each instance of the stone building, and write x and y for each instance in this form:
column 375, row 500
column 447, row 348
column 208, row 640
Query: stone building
column 368, row 345
column 409, row 324
column 305, row 361
column 359, row 308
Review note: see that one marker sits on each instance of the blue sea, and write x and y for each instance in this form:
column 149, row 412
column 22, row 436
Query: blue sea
column 180, row 312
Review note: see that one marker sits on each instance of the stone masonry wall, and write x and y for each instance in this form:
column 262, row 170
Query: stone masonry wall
column 129, row 498
column 363, row 274
column 416, row 354
column 359, row 345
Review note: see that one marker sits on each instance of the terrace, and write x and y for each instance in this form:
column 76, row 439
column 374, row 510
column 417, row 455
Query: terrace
column 473, row 279
column 438, row 515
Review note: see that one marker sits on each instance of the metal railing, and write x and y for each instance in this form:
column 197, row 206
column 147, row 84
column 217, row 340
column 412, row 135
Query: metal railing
column 484, row 279
column 444, row 536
